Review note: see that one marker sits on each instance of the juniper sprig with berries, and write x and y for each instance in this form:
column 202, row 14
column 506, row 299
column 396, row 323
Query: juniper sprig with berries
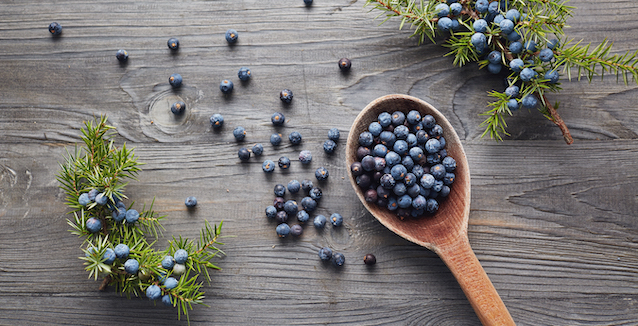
column 116, row 242
column 525, row 36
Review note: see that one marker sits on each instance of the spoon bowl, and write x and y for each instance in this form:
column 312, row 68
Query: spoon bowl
column 445, row 232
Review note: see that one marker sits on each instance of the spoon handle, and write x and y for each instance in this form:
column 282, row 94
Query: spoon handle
column 474, row 282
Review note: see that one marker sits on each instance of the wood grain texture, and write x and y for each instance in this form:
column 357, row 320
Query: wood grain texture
column 554, row 226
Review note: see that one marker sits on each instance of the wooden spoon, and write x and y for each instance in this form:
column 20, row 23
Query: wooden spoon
column 445, row 233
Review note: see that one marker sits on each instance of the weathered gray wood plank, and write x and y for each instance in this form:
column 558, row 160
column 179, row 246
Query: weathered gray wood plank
column 553, row 225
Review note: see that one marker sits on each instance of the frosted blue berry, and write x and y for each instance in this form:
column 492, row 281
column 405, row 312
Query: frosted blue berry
column 131, row 266
column 84, row 199
column 530, row 46
column 333, row 134
column 529, row 101
column 553, row 76
column 190, row 201
column 456, row 8
column 231, row 36
column 513, row 36
column 168, row 262
column 494, row 57
column 153, row 292
column 93, row 225
column 321, row 174
column 282, row 230
column 55, row 28
column 338, row 259
column 478, row 40
column 512, row 91
column 445, row 24
column 121, row 251
column 493, row 7
column 119, row 214
column 319, row 221
column 512, row 104
column 480, row 25
column 442, row 10
column 546, row 55
column 166, row 300
column 275, row 139
column 226, row 86
column 132, row 216
column 553, row 43
column 243, row 74
column 455, row 24
column 302, row 216
column 101, row 198
column 109, row 256
column 507, row 26
column 481, row 5
column 258, row 149
column 516, row 47
column 175, row 80
column 325, row 254
column 527, row 74
column 170, row 283
column 180, row 256
column 494, row 68
column 239, row 133
column 336, row 219
column 517, row 64
column 268, row 166
column 513, row 15
column 216, row 121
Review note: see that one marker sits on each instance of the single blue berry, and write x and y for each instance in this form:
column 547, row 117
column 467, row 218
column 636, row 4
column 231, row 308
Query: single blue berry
column 553, row 43
column 398, row 172
column 166, row 300
column 384, row 119
column 153, row 292
column 121, row 251
column 325, row 254
column 392, row 204
column 101, row 198
column 379, row 150
column 527, row 74
column 517, row 65
column 307, row 2
column 481, row 5
column 392, row 159
column 456, row 8
column 530, row 46
column 553, row 76
column 119, row 214
column 131, row 266
column 338, row 259
column 302, row 216
column 400, row 189
column 513, row 15
column 92, row 194
column 329, row 146
column 387, row 181
column 400, row 147
column 344, row 64
column 427, row 181
column 512, row 104
column 168, row 262
column 285, row 96
column 455, row 25
column 216, row 121
column 83, row 199
column 493, row 7
column 275, row 139
column 277, row 119
column 283, row 163
column 321, row 174
column 431, row 206
column 190, row 201
column 295, row 138
column 529, row 102
column 307, row 185
column 121, row 55
column 512, row 91
column 494, row 68
column 239, row 133
column 231, row 36
column 480, row 26
column 282, row 230
column 258, row 149
column 178, row 107
column 498, row 19
column 387, row 138
column 546, row 55
column 516, row 47
column 305, row 157
column 494, row 57
column 319, row 221
column 271, row 211
column 226, row 86
column 478, row 40
column 132, row 216
column 436, row 131
column 449, row 163
column 173, row 43
column 55, row 28
column 294, row 186
column 170, row 283
column 438, row 171
column 93, row 225
column 444, row 24
column 442, row 10
column 333, row 134
column 243, row 74
column 404, row 201
column 366, row 139
column 374, row 128
column 433, row 145
column 291, row 207
column 513, row 36
column 419, row 202
column 109, row 256
column 398, row 118
column 315, row 193
column 308, row 204
column 268, row 166
column 507, row 26
column 175, row 80
column 413, row 117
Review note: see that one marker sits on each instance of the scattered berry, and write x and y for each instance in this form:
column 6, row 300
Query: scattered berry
column 344, row 64
column 190, row 201
column 55, row 28
column 295, row 138
column 243, row 74
column 277, row 119
column 307, row 185
column 243, row 154
column 280, row 190
column 131, row 266
column 305, row 157
column 285, row 96
column 294, row 186
column 325, row 254
column 308, row 204
column 336, row 219
column 178, row 107
column 173, row 43
column 175, row 80
column 93, row 225
column 321, row 174
column 226, row 86
column 369, row 259
column 319, row 221
column 216, row 121
column 121, row 55
column 271, row 212
column 258, row 149
column 268, row 166
column 283, row 230
column 231, row 36
column 284, row 162
column 338, row 259
column 239, row 133
column 302, row 216
column 333, row 134
column 275, row 139
column 329, row 146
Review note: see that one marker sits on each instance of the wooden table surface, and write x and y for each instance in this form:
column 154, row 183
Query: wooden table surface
column 554, row 225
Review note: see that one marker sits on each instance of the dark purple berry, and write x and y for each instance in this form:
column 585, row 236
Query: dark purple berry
column 344, row 64
column 369, row 259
